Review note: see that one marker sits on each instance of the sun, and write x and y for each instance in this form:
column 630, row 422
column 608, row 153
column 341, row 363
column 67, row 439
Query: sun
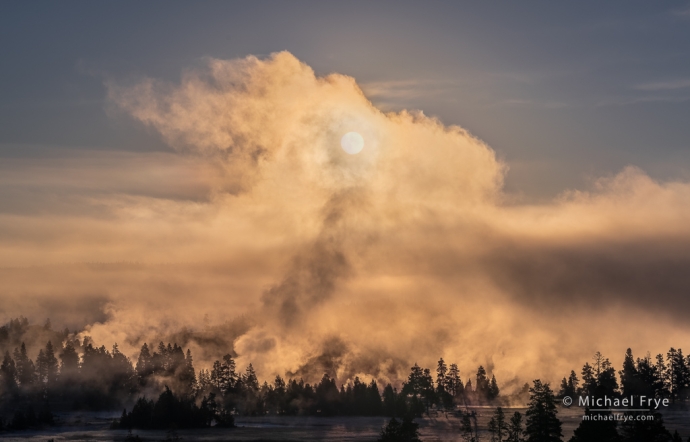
column 352, row 143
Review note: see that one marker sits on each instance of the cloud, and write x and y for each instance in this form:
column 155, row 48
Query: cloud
column 398, row 94
column 682, row 13
column 305, row 259
column 669, row 85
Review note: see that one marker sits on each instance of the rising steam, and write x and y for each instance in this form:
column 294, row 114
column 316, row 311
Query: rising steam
column 304, row 259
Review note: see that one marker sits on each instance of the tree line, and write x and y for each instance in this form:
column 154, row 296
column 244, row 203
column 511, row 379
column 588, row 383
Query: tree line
column 662, row 377
column 79, row 375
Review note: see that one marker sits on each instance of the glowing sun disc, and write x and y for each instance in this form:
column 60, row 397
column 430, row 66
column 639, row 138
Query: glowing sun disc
column 352, row 143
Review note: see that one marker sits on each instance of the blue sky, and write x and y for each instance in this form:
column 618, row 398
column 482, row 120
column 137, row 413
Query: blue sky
column 254, row 208
column 563, row 92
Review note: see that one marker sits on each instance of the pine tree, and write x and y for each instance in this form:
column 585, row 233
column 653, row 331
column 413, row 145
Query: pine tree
column 204, row 380
column 453, row 382
column 51, row 365
column 69, row 362
column 122, row 375
column 407, row 431
column 8, row 370
column 223, row 375
column 482, row 385
column 441, row 371
column 492, row 428
column 414, row 382
column 389, row 401
column 564, row 388
column 217, row 378
column 634, row 430
column 47, row 366
column 26, row 372
column 630, row 377
column 661, row 384
column 678, row 374
column 598, row 360
column 428, row 390
column 249, row 379
column 672, row 373
column 501, row 427
column 40, row 368
column 279, row 385
column 542, row 421
column 595, row 430
column 573, row 383
column 144, row 367
column 176, row 360
column 187, row 376
column 374, row 404
column 515, row 431
column 159, row 360
column 646, row 372
column 493, row 390
column 467, row 430
column 589, row 380
column 569, row 385
column 607, row 385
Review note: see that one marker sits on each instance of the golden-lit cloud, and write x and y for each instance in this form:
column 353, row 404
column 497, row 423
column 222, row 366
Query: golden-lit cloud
column 258, row 233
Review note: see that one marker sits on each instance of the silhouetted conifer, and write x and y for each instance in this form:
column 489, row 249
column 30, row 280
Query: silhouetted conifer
column 606, row 383
column 596, row 430
column 249, row 380
column 493, row 390
column 634, row 430
column 468, row 427
column 678, row 374
column 419, row 388
column 569, row 386
column 454, row 384
column 481, row 388
column 661, row 385
column 69, row 362
column 187, row 376
column 630, row 377
column 589, row 380
column 374, row 404
column 394, row 431
column 389, row 401
column 26, row 372
column 327, row 397
column 8, row 373
column 650, row 381
column 542, row 422
column 441, row 371
column 501, row 425
column 515, row 430
column 144, row 367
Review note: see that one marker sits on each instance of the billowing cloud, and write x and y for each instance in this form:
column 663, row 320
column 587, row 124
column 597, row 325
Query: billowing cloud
column 276, row 244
